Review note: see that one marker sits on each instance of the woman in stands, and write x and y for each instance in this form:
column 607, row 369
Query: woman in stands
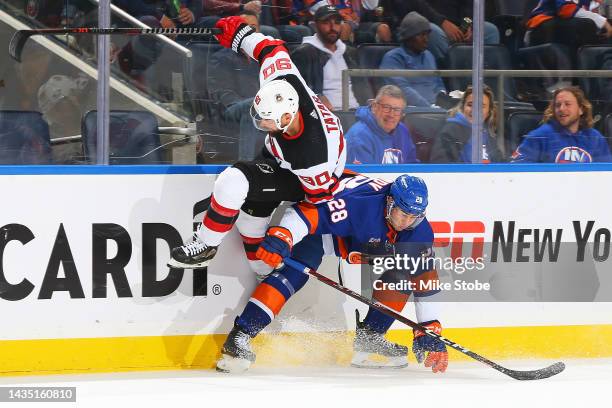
column 454, row 141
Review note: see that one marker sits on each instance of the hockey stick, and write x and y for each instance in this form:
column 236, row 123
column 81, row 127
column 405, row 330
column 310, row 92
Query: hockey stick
column 21, row 36
column 549, row 371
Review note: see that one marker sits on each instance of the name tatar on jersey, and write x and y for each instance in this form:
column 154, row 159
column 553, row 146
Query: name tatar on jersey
column 328, row 119
column 321, row 178
column 320, row 168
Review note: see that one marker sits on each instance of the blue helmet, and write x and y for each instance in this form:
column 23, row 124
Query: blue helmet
column 409, row 193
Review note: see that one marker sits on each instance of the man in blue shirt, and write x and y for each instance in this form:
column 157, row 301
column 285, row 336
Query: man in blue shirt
column 379, row 136
column 567, row 135
column 413, row 33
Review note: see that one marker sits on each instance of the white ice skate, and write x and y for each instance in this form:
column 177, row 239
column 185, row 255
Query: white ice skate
column 236, row 355
column 372, row 350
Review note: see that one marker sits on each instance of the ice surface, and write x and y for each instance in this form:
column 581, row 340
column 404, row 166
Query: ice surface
column 463, row 385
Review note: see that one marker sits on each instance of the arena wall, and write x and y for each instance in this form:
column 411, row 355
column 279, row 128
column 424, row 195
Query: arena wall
column 84, row 286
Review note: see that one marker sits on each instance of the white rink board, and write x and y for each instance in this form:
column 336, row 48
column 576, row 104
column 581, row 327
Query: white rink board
column 43, row 203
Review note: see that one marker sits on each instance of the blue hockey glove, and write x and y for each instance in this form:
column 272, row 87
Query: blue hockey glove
column 437, row 356
column 276, row 246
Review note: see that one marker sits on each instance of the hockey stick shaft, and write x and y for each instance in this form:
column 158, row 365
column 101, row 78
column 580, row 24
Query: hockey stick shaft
column 21, row 36
column 519, row 375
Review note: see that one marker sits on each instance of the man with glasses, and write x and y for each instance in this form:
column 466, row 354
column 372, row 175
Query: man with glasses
column 379, row 136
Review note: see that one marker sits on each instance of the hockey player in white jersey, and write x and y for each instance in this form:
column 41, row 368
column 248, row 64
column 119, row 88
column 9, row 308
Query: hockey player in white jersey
column 303, row 158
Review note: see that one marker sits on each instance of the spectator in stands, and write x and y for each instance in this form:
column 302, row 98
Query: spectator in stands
column 142, row 51
column 379, row 136
column 213, row 10
column 233, row 77
column 447, row 20
column 453, row 143
column 322, row 57
column 567, row 134
column 566, row 21
column 413, row 34
column 353, row 27
column 350, row 20
column 234, row 81
column 162, row 13
column 293, row 19
column 47, row 13
column 364, row 29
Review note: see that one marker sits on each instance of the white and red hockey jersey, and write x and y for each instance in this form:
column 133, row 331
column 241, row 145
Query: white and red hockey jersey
column 317, row 154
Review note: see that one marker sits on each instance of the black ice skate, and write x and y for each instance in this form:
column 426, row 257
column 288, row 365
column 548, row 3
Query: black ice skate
column 372, row 350
column 236, row 355
column 192, row 255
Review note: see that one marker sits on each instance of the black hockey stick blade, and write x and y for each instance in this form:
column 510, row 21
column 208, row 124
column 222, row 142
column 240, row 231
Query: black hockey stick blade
column 540, row 374
column 517, row 375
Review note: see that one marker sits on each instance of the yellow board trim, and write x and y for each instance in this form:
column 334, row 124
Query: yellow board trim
column 120, row 354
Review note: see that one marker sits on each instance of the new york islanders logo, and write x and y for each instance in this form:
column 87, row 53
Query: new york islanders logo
column 392, row 156
column 573, row 154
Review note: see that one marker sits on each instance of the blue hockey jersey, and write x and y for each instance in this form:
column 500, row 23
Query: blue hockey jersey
column 552, row 143
column 356, row 220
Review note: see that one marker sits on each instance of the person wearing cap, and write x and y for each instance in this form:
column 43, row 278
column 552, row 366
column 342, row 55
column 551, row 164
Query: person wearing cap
column 322, row 57
column 447, row 22
column 413, row 33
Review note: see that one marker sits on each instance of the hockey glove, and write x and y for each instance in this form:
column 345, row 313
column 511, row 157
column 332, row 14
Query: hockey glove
column 276, row 246
column 437, row 356
column 234, row 30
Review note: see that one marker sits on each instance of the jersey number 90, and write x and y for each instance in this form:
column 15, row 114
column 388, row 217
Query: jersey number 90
column 337, row 210
column 278, row 65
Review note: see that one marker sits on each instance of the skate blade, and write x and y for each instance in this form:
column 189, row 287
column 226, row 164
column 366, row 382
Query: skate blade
column 174, row 264
column 376, row 361
column 232, row 365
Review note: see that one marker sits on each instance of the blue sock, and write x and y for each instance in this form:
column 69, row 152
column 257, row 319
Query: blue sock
column 378, row 321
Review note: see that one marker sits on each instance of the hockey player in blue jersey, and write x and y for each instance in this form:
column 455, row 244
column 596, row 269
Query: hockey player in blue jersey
column 366, row 216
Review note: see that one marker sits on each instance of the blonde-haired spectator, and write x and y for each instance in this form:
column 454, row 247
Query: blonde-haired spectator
column 566, row 135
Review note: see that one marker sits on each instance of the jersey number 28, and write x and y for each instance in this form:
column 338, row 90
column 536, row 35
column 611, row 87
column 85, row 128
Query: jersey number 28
column 337, row 210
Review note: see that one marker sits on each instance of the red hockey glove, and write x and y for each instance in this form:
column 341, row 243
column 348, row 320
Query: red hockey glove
column 276, row 246
column 437, row 356
column 234, row 30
